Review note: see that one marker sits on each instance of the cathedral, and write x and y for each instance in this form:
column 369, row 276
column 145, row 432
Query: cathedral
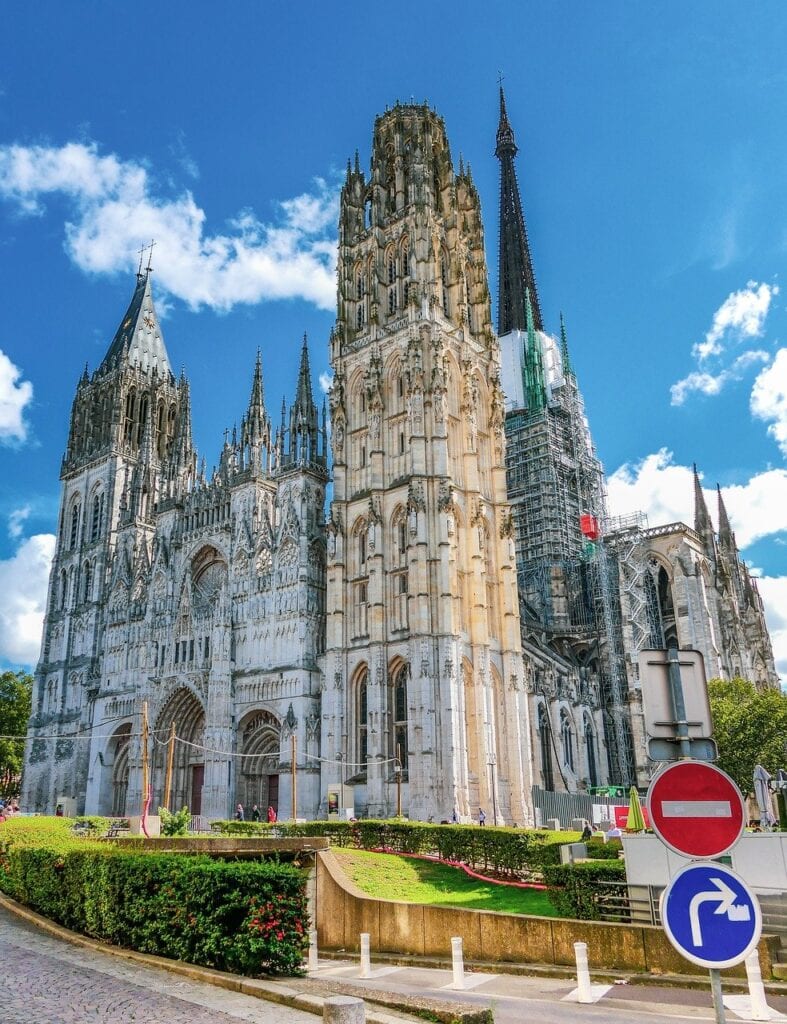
column 459, row 629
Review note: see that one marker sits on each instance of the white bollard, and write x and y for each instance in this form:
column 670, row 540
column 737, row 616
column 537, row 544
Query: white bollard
column 584, row 990
column 457, row 963
column 344, row 1010
column 366, row 960
column 314, row 960
column 759, row 1007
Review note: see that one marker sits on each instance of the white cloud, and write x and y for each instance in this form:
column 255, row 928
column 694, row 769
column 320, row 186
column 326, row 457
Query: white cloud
column 23, row 587
column 773, row 590
column 117, row 207
column 712, row 384
column 769, row 398
column 741, row 315
column 16, row 520
column 15, row 395
column 665, row 492
column 325, row 382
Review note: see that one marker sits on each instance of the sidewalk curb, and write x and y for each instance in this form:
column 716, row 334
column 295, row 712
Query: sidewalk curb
column 273, row 991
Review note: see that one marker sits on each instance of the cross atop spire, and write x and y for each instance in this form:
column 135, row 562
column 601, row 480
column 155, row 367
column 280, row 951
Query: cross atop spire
column 515, row 270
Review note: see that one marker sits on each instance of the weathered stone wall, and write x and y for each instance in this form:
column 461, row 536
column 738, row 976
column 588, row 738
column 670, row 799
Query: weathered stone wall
column 343, row 912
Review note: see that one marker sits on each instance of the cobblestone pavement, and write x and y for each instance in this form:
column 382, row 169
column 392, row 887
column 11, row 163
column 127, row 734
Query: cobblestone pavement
column 49, row 981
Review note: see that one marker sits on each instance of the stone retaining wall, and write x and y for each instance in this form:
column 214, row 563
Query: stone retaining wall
column 343, row 912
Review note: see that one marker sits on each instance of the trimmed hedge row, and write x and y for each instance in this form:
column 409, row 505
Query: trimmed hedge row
column 248, row 917
column 506, row 851
column 574, row 889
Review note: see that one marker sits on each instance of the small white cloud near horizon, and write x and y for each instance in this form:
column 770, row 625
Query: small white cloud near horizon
column 15, row 395
column 769, row 398
column 741, row 317
column 16, row 521
column 116, row 207
column 773, row 591
column 24, row 578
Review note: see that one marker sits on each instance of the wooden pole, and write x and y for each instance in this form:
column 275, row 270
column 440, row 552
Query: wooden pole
column 145, row 773
column 294, row 778
column 170, row 762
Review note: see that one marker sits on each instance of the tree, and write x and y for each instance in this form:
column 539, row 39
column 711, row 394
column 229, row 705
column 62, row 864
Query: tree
column 16, row 692
column 750, row 728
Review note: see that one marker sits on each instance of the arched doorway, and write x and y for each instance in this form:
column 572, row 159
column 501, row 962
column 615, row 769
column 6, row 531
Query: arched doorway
column 258, row 771
column 188, row 764
column 117, row 756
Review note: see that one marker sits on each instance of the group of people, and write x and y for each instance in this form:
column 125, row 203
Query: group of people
column 9, row 808
column 255, row 815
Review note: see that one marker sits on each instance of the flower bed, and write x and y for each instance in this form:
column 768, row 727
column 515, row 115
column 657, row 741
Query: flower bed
column 248, row 917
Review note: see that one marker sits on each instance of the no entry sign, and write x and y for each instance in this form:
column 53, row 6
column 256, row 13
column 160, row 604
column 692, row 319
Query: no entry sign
column 696, row 809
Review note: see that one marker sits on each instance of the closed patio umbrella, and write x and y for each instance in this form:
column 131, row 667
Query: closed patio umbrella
column 636, row 819
column 762, row 795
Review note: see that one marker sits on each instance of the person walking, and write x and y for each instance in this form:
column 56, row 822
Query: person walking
column 271, row 815
column 255, row 813
column 481, row 816
column 239, row 815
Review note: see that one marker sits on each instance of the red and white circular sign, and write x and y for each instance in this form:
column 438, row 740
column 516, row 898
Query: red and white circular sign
column 696, row 809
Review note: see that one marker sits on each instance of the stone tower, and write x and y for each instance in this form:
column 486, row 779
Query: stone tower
column 424, row 672
column 122, row 443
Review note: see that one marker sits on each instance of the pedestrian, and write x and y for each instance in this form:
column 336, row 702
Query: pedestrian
column 271, row 815
column 481, row 816
column 239, row 815
column 454, row 817
column 59, row 811
column 255, row 813
column 587, row 833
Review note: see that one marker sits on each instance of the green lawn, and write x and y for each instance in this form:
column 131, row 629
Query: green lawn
column 409, row 880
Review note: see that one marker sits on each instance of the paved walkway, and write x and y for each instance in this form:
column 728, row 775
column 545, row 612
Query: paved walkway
column 517, row 998
column 48, row 981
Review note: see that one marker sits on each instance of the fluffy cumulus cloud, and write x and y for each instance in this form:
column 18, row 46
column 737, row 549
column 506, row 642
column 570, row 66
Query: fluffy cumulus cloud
column 23, row 587
column 665, row 492
column 769, row 398
column 15, row 395
column 740, row 318
column 325, row 382
column 16, row 521
column 117, row 206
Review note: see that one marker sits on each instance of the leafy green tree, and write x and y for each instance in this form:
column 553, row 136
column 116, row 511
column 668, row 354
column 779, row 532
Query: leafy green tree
column 750, row 727
column 16, row 691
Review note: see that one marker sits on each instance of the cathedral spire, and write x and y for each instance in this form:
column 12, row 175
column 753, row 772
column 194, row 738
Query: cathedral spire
column 726, row 536
column 138, row 340
column 515, row 269
column 567, row 368
column 534, row 362
column 702, row 521
column 304, row 402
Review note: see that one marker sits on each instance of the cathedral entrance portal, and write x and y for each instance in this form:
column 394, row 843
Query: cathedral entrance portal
column 188, row 762
column 260, row 746
column 118, row 752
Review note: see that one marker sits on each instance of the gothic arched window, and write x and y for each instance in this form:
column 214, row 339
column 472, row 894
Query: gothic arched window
column 544, row 742
column 142, row 418
column 75, row 511
column 87, row 582
column 397, row 706
column 362, row 717
column 131, row 406
column 97, row 516
column 63, row 589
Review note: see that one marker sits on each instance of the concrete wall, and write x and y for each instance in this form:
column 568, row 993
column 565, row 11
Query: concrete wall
column 343, row 912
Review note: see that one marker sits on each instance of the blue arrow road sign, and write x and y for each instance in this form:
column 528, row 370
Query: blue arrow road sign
column 710, row 915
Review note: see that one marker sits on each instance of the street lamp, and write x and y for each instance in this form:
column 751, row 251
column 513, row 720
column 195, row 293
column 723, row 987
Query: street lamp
column 340, row 759
column 398, row 774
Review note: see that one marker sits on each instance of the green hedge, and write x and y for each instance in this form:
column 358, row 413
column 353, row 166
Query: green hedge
column 248, row 917
column 505, row 851
column 575, row 888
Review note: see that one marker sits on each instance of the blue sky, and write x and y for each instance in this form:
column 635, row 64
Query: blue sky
column 651, row 165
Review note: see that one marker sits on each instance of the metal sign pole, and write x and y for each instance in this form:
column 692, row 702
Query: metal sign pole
column 678, row 702
column 718, row 998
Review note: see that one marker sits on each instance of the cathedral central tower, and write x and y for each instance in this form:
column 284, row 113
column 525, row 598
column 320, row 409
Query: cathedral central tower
column 424, row 667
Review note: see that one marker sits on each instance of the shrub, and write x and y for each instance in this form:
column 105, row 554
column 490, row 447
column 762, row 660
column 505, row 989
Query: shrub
column 175, row 823
column 575, row 888
column 244, row 916
column 505, row 851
